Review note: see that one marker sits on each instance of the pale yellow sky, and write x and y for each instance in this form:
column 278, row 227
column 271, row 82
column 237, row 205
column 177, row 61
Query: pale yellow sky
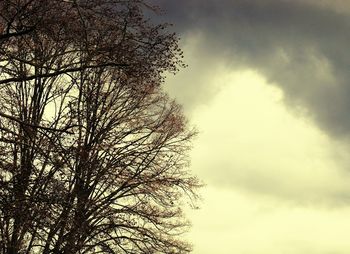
column 276, row 184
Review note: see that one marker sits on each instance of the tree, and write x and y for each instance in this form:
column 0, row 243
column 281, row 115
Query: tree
column 93, row 152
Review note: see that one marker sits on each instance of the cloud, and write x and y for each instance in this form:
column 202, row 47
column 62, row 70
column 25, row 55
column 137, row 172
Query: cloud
column 195, row 85
column 233, row 222
column 299, row 46
column 268, row 88
column 250, row 141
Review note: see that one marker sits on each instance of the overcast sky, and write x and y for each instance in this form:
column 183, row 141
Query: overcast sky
column 268, row 87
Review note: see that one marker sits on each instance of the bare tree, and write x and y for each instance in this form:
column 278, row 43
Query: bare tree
column 93, row 152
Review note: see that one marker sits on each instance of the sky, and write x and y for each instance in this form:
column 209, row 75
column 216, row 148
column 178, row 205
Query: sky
column 268, row 88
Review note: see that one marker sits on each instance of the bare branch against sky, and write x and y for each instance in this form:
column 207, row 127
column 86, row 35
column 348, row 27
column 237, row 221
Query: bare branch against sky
column 93, row 153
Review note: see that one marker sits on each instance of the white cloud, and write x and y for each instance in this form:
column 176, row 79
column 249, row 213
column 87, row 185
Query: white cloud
column 248, row 139
column 276, row 183
column 234, row 222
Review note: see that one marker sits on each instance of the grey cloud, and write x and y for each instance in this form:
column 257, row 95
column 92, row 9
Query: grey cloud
column 298, row 46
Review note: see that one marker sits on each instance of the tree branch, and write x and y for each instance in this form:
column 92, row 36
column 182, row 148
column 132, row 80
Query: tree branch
column 36, row 126
column 59, row 72
column 23, row 32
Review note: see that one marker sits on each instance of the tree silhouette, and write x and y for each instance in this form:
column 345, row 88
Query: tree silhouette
column 93, row 153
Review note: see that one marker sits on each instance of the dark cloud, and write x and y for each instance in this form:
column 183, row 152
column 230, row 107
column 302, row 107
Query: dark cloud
column 299, row 46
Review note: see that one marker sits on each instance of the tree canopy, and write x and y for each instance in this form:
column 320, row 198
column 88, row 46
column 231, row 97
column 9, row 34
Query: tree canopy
column 93, row 153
